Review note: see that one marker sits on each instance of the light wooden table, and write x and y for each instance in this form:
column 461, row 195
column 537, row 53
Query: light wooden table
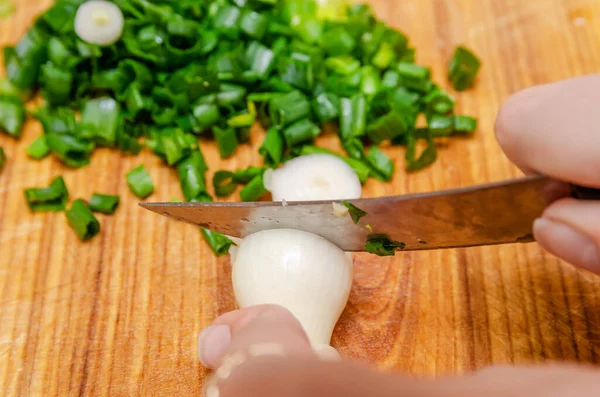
column 120, row 315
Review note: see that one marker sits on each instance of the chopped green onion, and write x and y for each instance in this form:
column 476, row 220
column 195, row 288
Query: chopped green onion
column 82, row 220
column 254, row 24
column 382, row 245
column 353, row 117
column 12, row 115
column 246, row 175
column 298, row 70
column 415, row 77
column 224, row 183
column 56, row 84
column 206, row 115
column 355, row 212
column 464, row 124
column 382, row 167
column 272, row 148
column 191, row 176
column 288, row 108
column 463, row 68
column 51, row 198
column 326, row 107
column 343, row 65
column 254, row 190
column 439, row 101
column 260, row 59
column 427, row 157
column 301, row 131
column 172, row 144
column 139, row 182
column 59, row 120
column 370, row 81
column 440, row 125
column 338, row 41
column 217, row 242
column 227, row 141
column 72, row 151
column 105, row 204
column 100, row 121
column 38, row 148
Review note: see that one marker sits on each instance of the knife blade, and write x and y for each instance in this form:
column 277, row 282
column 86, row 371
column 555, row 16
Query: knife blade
column 497, row 213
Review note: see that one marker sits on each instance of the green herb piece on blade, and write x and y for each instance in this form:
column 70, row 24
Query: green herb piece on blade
column 105, row 204
column 463, row 68
column 51, row 198
column 38, row 148
column 382, row 245
column 2, row 158
column 217, row 242
column 12, row 115
column 139, row 182
column 82, row 220
column 355, row 212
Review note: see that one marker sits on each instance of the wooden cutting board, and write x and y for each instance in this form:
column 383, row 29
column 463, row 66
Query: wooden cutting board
column 120, row 315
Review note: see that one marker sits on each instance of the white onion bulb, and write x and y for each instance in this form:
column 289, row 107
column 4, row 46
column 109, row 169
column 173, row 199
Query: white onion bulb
column 313, row 177
column 99, row 22
column 303, row 272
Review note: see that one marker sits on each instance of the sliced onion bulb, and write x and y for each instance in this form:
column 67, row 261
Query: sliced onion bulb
column 99, row 22
column 303, row 272
column 313, row 177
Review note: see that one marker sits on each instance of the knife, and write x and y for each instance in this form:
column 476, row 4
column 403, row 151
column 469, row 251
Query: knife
column 497, row 213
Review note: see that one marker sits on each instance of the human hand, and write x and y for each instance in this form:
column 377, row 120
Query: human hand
column 553, row 130
column 263, row 351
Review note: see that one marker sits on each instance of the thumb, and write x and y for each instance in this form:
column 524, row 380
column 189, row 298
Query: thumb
column 258, row 325
column 263, row 351
column 570, row 229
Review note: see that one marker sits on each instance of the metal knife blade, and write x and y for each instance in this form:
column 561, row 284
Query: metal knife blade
column 496, row 213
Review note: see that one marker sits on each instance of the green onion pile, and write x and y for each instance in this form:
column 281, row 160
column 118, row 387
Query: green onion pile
column 189, row 68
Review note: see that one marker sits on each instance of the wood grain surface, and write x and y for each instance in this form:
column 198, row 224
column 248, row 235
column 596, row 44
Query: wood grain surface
column 120, row 315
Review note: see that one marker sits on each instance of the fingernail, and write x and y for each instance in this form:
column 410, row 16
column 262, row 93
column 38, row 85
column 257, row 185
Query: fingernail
column 213, row 343
column 567, row 243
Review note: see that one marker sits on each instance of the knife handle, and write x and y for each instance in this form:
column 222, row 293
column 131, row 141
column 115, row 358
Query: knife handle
column 585, row 193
